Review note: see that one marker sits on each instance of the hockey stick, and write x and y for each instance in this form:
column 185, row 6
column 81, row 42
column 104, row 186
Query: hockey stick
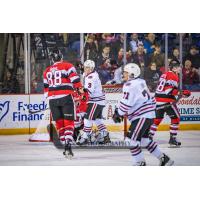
column 125, row 127
column 171, row 104
column 36, row 111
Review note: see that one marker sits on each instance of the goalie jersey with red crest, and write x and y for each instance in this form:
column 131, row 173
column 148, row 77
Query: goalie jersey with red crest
column 167, row 89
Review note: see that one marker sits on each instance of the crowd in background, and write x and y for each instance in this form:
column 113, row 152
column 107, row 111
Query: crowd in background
column 107, row 50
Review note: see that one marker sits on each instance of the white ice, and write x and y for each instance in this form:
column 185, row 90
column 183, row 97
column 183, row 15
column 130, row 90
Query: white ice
column 17, row 150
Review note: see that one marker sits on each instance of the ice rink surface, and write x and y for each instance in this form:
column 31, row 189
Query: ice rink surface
column 18, row 151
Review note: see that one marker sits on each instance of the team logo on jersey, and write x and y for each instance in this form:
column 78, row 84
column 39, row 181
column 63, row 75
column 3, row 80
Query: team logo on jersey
column 4, row 108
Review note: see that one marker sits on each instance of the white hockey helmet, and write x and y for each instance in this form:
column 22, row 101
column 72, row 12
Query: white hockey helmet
column 133, row 70
column 90, row 64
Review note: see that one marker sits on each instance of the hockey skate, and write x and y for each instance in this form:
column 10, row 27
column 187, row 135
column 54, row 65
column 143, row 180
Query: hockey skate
column 166, row 161
column 103, row 137
column 142, row 163
column 173, row 142
column 67, row 147
column 83, row 139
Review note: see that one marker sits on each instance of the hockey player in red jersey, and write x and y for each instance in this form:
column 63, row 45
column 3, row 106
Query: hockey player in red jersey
column 167, row 94
column 60, row 81
column 81, row 100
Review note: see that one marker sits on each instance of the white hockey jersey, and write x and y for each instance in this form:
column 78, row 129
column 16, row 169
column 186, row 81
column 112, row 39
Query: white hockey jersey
column 93, row 84
column 137, row 101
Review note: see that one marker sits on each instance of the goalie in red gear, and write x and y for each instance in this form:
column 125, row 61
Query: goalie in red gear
column 81, row 100
column 60, row 81
column 167, row 95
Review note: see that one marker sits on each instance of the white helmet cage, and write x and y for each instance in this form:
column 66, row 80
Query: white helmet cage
column 133, row 70
column 90, row 64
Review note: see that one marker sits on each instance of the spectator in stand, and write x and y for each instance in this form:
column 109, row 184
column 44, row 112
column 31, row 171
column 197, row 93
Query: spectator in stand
column 107, row 38
column 116, row 73
column 120, row 57
column 119, row 44
column 194, row 57
column 104, row 71
column 175, row 55
column 190, row 77
column 91, row 48
column 37, row 86
column 157, row 56
column 134, row 43
column 10, row 84
column 103, row 64
column 104, row 56
column 149, row 43
column 141, row 58
column 152, row 75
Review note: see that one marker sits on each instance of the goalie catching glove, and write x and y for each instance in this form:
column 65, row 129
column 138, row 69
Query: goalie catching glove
column 116, row 117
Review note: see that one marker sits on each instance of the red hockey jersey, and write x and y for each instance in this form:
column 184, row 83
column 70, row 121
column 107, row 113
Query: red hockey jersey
column 60, row 79
column 167, row 89
column 81, row 101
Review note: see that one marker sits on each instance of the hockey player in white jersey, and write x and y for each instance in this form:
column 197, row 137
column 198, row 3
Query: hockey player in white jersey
column 138, row 105
column 96, row 103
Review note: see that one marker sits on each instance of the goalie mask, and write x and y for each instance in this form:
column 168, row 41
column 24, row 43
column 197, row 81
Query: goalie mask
column 133, row 70
column 56, row 55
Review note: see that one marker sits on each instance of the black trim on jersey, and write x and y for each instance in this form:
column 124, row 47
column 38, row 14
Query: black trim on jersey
column 94, row 100
column 134, row 116
column 149, row 104
column 76, row 80
column 165, row 96
column 63, row 87
column 64, row 75
column 71, row 72
column 174, row 87
column 125, row 104
column 46, row 85
column 102, row 96
column 90, row 73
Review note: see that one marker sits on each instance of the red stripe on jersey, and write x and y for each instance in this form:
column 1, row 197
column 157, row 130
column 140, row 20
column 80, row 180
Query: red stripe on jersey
column 57, row 76
column 159, row 99
column 168, row 80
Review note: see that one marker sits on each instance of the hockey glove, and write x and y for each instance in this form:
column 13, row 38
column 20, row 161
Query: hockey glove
column 186, row 93
column 116, row 117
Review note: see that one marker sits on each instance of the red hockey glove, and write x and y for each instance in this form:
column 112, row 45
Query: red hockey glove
column 186, row 93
